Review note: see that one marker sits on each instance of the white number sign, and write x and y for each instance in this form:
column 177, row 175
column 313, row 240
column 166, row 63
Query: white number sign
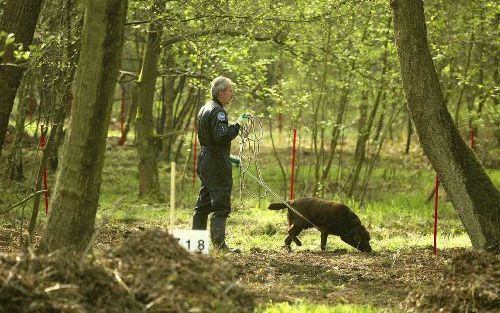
column 193, row 240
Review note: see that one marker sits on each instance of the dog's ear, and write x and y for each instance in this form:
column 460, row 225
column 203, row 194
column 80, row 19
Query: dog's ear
column 361, row 234
column 362, row 239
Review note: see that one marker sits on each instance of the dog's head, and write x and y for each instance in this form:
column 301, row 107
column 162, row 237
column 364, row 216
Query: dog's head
column 359, row 238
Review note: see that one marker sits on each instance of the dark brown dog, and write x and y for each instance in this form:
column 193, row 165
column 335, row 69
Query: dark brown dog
column 330, row 217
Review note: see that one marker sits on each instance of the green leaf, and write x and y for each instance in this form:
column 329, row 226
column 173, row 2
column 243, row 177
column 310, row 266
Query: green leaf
column 10, row 39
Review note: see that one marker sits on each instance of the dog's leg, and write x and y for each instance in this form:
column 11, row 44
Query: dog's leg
column 292, row 235
column 297, row 241
column 324, row 236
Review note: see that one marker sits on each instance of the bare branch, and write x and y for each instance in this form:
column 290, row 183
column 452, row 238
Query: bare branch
column 22, row 201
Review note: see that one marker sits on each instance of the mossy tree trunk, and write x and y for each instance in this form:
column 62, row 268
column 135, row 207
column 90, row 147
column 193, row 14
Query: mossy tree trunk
column 146, row 140
column 20, row 18
column 470, row 190
column 76, row 193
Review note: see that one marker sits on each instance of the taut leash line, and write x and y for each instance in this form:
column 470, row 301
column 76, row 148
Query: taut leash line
column 250, row 137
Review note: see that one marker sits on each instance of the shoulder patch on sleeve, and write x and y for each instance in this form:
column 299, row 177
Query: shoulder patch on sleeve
column 221, row 116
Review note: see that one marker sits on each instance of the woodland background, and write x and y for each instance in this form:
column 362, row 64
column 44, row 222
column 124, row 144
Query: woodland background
column 329, row 69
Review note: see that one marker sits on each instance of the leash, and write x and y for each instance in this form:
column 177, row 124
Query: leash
column 250, row 137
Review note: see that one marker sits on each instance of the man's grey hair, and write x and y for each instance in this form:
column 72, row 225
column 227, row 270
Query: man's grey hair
column 219, row 84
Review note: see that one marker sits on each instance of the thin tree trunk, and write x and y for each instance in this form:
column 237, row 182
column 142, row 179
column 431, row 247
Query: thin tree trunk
column 15, row 156
column 462, row 86
column 336, row 131
column 375, row 157
column 162, row 117
column 276, row 155
column 319, row 149
column 19, row 17
column 146, row 141
column 184, row 125
column 380, row 123
column 173, row 105
column 76, row 193
column 339, row 125
column 132, row 110
column 471, row 191
column 360, row 152
column 63, row 106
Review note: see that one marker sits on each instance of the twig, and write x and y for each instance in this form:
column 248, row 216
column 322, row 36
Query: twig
column 22, row 201
column 120, row 281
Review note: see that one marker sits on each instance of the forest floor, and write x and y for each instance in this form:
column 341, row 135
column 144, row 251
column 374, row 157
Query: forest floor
column 401, row 274
column 457, row 279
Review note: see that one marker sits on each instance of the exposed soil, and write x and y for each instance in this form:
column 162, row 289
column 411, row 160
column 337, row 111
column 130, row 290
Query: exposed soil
column 168, row 278
column 149, row 270
column 60, row 282
column 382, row 279
column 471, row 283
column 457, row 280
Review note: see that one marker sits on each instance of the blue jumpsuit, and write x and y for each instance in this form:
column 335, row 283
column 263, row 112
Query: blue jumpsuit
column 214, row 168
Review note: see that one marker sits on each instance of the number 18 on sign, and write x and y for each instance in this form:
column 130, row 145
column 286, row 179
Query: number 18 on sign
column 193, row 240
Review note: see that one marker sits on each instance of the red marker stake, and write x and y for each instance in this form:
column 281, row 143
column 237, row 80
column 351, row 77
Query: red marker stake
column 436, row 194
column 292, row 178
column 45, row 180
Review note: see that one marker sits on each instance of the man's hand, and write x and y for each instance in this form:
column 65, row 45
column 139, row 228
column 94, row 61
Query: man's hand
column 235, row 160
column 244, row 119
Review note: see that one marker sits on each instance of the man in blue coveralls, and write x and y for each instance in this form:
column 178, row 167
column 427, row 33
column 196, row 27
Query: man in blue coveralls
column 214, row 164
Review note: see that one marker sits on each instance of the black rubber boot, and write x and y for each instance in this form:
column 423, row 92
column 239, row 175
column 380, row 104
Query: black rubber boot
column 218, row 235
column 200, row 221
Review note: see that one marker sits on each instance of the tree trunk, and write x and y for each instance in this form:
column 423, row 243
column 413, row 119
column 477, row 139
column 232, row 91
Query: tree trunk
column 132, row 110
column 19, row 17
column 146, row 141
column 65, row 97
column 15, row 156
column 173, row 104
column 76, row 193
column 408, row 138
column 463, row 85
column 341, row 114
column 366, row 126
column 469, row 188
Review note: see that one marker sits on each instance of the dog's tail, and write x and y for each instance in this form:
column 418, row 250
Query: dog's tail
column 277, row 206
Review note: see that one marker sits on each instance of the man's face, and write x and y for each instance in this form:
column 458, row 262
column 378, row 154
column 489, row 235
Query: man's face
column 226, row 96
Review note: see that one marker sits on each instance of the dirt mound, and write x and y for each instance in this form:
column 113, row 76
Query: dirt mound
column 470, row 284
column 60, row 282
column 167, row 278
column 149, row 271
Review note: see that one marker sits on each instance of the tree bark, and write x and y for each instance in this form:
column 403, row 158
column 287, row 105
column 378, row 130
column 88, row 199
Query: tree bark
column 471, row 191
column 15, row 156
column 132, row 110
column 19, row 17
column 146, row 141
column 76, row 193
column 408, row 134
